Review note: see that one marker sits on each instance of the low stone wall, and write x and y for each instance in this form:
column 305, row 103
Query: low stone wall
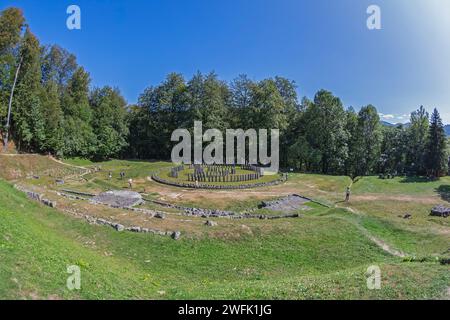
column 148, row 212
column 207, row 213
column 266, row 217
column 119, row 227
column 36, row 196
column 100, row 221
column 69, row 196
column 156, row 178
column 78, row 193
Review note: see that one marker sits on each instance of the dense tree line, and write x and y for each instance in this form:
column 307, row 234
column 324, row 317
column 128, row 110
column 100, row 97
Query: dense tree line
column 55, row 111
column 316, row 136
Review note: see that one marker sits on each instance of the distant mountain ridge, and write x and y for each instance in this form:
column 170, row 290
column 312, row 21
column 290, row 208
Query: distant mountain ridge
column 389, row 124
column 406, row 125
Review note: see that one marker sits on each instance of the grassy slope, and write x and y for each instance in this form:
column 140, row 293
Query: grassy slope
column 20, row 166
column 384, row 202
column 79, row 161
column 318, row 259
column 403, row 185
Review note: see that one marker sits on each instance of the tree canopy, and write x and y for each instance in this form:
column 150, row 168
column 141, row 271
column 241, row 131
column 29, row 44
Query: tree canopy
column 55, row 110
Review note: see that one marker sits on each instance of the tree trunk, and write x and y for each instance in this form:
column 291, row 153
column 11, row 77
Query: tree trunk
column 5, row 142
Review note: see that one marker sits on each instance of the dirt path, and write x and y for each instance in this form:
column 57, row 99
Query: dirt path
column 66, row 164
column 380, row 243
column 86, row 171
column 48, row 157
column 383, row 245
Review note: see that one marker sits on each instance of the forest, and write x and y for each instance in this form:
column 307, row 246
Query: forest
column 55, row 110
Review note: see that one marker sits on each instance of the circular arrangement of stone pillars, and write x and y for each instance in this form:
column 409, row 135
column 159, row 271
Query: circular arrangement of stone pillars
column 217, row 177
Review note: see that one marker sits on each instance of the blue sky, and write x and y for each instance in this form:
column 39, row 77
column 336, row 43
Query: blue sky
column 318, row 43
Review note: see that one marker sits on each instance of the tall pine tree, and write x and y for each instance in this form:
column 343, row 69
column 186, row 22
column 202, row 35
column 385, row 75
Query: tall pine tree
column 418, row 132
column 435, row 151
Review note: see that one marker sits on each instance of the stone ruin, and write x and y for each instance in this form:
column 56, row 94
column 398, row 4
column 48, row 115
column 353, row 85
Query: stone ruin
column 440, row 211
column 218, row 173
column 119, row 198
column 290, row 203
column 174, row 171
column 201, row 185
column 36, row 196
column 119, row 227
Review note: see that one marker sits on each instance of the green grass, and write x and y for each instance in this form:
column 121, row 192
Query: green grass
column 79, row 161
column 20, row 166
column 403, row 185
column 421, row 244
column 327, row 189
column 323, row 254
column 317, row 258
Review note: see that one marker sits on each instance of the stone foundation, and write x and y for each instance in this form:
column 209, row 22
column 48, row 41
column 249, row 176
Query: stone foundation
column 36, row 196
column 440, row 211
column 118, row 198
column 156, row 178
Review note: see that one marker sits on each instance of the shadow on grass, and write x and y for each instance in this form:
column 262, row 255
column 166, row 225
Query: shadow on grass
column 146, row 160
column 444, row 192
column 415, row 179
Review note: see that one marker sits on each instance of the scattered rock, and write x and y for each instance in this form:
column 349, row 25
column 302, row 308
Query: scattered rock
column 119, row 227
column 49, row 203
column 135, row 229
column 160, row 215
column 205, row 213
column 210, row 223
column 102, row 221
column 176, row 235
column 247, row 229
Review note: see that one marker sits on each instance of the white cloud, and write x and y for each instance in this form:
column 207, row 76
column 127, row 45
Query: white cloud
column 394, row 118
column 445, row 117
column 404, row 118
column 386, row 116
